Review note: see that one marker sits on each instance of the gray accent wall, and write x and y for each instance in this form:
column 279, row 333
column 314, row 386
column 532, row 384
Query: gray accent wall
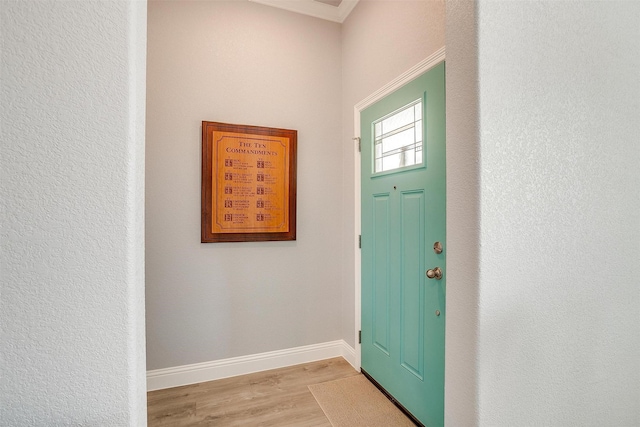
column 241, row 63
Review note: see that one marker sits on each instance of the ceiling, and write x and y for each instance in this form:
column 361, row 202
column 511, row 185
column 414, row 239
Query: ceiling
column 331, row 10
column 335, row 3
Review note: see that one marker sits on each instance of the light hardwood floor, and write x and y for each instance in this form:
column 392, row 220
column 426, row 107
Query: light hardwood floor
column 272, row 398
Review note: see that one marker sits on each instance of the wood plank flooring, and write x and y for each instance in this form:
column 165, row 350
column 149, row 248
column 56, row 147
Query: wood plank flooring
column 272, row 398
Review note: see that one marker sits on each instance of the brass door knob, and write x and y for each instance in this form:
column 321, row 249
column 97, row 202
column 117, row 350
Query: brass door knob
column 435, row 273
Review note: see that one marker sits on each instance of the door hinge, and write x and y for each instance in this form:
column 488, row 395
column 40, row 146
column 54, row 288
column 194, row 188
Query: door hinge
column 360, row 241
column 357, row 138
column 359, row 337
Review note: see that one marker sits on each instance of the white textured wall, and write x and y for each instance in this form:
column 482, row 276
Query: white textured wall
column 380, row 41
column 72, row 191
column 244, row 63
column 558, row 299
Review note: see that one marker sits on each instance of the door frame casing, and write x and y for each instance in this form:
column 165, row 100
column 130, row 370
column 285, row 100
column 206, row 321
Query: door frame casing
column 422, row 67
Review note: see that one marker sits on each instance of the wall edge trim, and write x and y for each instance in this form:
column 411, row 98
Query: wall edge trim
column 176, row 376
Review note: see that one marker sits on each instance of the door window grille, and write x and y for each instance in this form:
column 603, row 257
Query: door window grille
column 398, row 138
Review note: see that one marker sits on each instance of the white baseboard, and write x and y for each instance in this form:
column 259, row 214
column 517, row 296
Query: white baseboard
column 217, row 369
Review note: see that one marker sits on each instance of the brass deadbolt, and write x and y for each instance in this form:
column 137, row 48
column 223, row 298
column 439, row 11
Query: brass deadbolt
column 434, row 273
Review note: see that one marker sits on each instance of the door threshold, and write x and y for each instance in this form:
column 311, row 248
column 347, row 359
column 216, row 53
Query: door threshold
column 392, row 399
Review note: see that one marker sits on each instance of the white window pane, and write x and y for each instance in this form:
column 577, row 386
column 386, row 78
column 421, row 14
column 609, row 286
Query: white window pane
column 391, row 162
column 398, row 138
column 418, row 129
column 398, row 120
column 418, row 111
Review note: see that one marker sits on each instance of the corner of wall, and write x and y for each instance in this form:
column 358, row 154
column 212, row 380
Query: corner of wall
column 463, row 215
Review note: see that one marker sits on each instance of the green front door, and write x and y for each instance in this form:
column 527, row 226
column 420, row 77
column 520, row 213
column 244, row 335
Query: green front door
column 403, row 216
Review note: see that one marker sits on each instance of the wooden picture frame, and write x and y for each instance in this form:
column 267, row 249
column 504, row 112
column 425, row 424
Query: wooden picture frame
column 248, row 183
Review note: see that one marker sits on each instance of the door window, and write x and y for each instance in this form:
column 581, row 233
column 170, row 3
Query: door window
column 398, row 138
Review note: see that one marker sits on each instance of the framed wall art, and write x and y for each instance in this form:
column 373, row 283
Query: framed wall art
column 248, row 183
